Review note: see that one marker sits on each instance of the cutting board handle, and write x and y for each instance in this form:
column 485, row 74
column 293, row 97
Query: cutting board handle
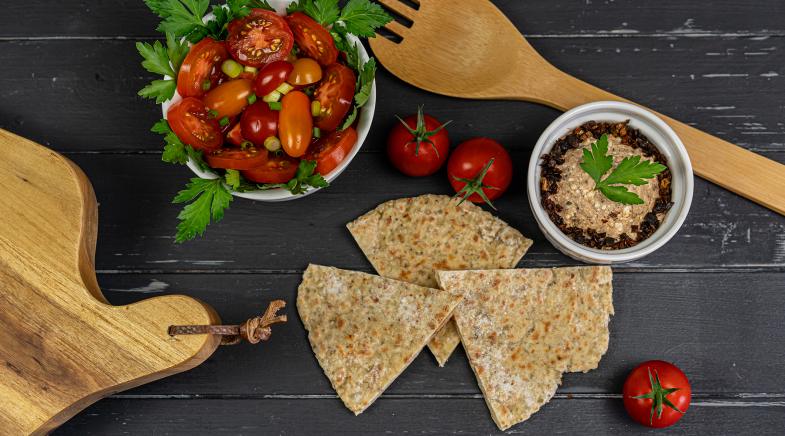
column 736, row 169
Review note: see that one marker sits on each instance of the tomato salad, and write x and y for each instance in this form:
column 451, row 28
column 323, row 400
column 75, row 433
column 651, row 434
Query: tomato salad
column 265, row 101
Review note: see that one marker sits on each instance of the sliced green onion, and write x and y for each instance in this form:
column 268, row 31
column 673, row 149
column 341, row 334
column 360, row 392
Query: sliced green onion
column 316, row 108
column 212, row 113
column 206, row 85
column 317, row 133
column 273, row 96
column 272, row 143
column 275, row 105
column 246, row 144
column 284, row 88
column 223, row 121
column 252, row 98
column 251, row 70
column 231, row 68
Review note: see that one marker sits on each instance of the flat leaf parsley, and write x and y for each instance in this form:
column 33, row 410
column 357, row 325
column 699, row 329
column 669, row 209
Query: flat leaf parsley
column 630, row 171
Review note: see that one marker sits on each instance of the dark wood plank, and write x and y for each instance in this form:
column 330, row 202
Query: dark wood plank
column 405, row 416
column 137, row 222
column 80, row 95
column 618, row 18
column 724, row 330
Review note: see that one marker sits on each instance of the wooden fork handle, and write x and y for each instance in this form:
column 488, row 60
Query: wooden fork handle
column 736, row 169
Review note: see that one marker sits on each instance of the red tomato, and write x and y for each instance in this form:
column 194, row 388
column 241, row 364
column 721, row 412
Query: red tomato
column 260, row 38
column 295, row 125
column 657, row 394
column 237, row 158
column 270, row 76
column 235, row 135
column 419, row 145
column 278, row 169
column 190, row 121
column 330, row 151
column 335, row 94
column 259, row 122
column 230, row 98
column 305, row 72
column 201, row 65
column 480, row 169
column 312, row 38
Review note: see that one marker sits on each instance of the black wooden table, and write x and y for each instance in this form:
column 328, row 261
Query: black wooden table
column 712, row 300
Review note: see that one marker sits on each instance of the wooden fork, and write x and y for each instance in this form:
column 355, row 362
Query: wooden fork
column 471, row 50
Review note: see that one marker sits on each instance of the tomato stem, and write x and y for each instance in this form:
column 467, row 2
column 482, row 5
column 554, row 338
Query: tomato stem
column 475, row 186
column 421, row 133
column 659, row 396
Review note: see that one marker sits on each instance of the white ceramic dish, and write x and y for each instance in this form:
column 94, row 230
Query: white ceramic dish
column 660, row 134
column 364, row 119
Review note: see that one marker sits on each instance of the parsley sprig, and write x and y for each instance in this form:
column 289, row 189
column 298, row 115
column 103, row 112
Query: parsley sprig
column 359, row 17
column 630, row 171
column 164, row 61
column 208, row 199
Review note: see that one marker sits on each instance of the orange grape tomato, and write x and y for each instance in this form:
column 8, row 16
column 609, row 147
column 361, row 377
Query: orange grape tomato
column 229, row 98
column 306, row 71
column 295, row 125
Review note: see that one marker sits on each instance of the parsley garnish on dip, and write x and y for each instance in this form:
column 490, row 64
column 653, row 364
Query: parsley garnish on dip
column 605, row 185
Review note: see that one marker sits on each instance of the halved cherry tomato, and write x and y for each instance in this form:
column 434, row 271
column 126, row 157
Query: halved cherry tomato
column 305, row 72
column 260, row 38
column 229, row 98
column 270, row 76
column 295, row 125
column 330, row 151
column 235, row 135
column 190, row 121
column 237, row 158
column 312, row 38
column 259, row 122
column 278, row 169
column 200, row 66
column 335, row 94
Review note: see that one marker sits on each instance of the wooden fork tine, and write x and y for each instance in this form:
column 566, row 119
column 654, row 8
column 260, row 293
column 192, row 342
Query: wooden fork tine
column 396, row 28
column 399, row 8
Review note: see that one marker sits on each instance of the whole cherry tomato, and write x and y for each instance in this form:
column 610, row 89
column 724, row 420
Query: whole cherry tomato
column 259, row 122
column 330, row 151
column 312, row 38
column 270, row 76
column 201, row 68
column 335, row 94
column 419, row 145
column 480, row 169
column 657, row 394
column 295, row 125
column 189, row 120
column 230, row 98
column 260, row 38
column 305, row 72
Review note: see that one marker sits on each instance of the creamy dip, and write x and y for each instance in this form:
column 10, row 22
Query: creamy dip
column 586, row 207
column 584, row 213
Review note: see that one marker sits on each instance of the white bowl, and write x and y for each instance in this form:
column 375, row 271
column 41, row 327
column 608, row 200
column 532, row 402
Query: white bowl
column 660, row 134
column 364, row 119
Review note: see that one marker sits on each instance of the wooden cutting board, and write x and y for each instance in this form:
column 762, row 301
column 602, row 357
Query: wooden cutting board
column 62, row 345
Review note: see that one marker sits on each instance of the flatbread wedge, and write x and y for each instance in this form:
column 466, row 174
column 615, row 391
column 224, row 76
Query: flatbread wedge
column 366, row 329
column 523, row 328
column 409, row 238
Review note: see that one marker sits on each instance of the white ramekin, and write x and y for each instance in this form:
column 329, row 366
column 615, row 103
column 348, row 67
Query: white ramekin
column 364, row 119
column 660, row 134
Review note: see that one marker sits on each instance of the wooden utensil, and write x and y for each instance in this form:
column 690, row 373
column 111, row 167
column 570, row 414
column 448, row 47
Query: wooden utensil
column 471, row 50
column 62, row 345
